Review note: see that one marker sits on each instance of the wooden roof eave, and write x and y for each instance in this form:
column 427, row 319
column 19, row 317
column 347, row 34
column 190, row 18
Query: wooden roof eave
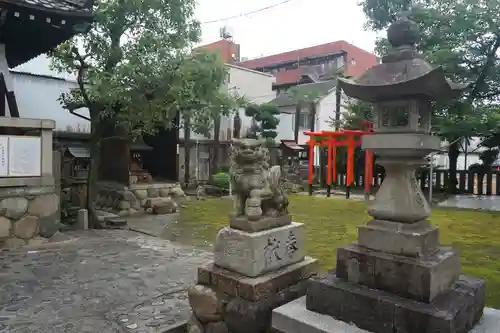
column 84, row 14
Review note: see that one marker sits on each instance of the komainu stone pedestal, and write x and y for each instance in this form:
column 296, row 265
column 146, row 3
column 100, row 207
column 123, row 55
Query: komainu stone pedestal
column 259, row 260
column 225, row 301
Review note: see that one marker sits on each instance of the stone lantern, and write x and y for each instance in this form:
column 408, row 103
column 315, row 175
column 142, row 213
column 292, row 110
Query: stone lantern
column 396, row 278
column 402, row 89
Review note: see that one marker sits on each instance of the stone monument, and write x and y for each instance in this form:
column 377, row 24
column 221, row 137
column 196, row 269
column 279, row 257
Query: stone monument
column 259, row 260
column 396, row 278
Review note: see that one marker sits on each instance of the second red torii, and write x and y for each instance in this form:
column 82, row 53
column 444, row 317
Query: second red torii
column 343, row 138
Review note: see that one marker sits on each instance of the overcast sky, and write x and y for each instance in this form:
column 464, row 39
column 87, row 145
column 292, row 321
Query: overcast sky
column 289, row 26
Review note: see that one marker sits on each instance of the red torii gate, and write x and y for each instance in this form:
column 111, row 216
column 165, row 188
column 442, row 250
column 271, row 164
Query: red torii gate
column 332, row 140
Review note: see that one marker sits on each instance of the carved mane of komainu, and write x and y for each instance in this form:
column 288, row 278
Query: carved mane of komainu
column 259, row 190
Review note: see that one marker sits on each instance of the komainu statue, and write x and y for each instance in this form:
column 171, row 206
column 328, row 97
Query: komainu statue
column 258, row 189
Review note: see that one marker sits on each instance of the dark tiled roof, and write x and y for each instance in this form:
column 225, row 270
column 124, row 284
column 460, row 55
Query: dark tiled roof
column 44, row 23
column 292, row 97
column 62, row 6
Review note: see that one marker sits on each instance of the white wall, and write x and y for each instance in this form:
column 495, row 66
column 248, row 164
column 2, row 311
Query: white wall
column 37, row 98
column 41, row 66
column 441, row 160
column 325, row 110
column 255, row 86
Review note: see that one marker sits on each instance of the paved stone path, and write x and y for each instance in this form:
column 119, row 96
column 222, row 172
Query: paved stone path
column 101, row 281
column 488, row 203
column 153, row 225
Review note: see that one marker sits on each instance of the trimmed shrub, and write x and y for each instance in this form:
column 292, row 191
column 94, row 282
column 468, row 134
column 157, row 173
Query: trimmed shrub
column 221, row 180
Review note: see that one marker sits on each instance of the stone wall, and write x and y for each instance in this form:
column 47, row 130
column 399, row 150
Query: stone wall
column 159, row 198
column 29, row 205
column 26, row 214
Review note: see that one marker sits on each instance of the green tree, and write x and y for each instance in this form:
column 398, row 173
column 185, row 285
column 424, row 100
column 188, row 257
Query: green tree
column 357, row 113
column 136, row 73
column 265, row 121
column 462, row 36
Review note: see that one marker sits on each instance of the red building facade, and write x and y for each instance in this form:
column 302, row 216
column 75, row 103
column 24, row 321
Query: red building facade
column 303, row 65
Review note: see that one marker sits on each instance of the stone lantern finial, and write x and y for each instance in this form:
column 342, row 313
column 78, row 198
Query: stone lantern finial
column 403, row 32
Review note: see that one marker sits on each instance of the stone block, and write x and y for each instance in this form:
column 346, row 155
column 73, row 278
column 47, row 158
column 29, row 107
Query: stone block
column 294, row 317
column 205, row 303
column 82, row 219
column 243, row 316
column 26, row 228
column 152, row 192
column 5, row 227
column 25, row 191
column 257, row 288
column 421, row 279
column 418, row 239
column 219, row 327
column 266, row 223
column 141, row 194
column 253, row 254
column 44, row 205
column 49, row 225
column 14, row 208
column 14, row 243
column 377, row 311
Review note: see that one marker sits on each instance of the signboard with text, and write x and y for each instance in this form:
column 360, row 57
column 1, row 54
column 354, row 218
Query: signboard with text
column 20, row 156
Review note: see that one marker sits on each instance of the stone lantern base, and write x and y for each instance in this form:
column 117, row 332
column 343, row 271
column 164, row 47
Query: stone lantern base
column 294, row 317
column 382, row 292
column 377, row 311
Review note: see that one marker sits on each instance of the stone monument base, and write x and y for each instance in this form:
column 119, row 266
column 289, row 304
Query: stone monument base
column 294, row 317
column 456, row 311
column 242, row 304
column 256, row 253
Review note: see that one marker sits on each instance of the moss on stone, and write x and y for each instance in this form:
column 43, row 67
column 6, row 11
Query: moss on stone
column 331, row 224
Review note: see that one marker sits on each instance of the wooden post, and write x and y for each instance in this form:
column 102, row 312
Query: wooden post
column 311, row 163
column 366, row 181
column 350, row 165
column 329, row 167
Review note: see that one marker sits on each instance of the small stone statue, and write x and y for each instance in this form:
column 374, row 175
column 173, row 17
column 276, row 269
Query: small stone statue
column 258, row 189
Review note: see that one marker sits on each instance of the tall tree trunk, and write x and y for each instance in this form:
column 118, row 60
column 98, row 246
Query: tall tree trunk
column 312, row 110
column 453, row 152
column 312, row 118
column 297, row 120
column 95, row 141
column 187, row 150
column 338, row 98
column 215, row 156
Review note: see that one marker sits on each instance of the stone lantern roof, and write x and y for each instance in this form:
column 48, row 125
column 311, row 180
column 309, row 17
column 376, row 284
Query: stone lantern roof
column 403, row 72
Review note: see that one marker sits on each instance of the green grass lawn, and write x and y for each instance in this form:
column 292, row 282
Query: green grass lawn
column 331, row 224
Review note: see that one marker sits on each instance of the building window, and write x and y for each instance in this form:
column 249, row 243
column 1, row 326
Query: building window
column 340, row 62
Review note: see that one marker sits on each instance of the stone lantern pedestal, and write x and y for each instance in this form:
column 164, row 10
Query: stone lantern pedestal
column 396, row 277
